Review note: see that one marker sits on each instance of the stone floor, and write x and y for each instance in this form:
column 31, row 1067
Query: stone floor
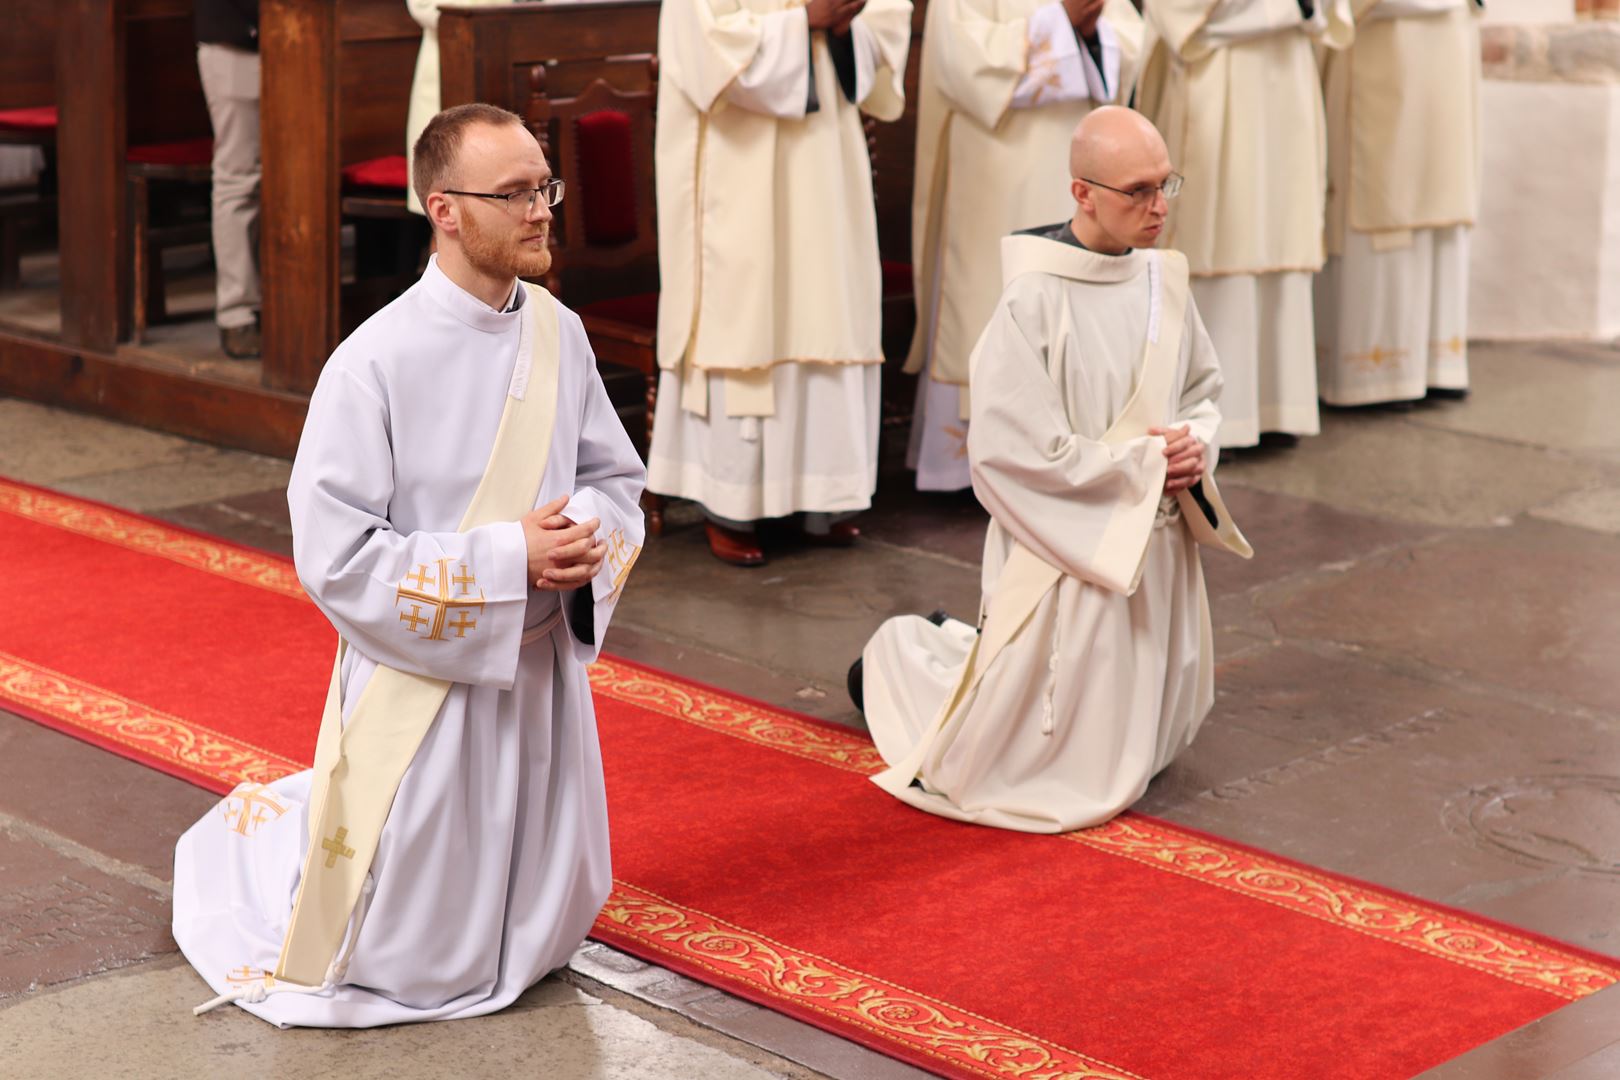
column 1416, row 683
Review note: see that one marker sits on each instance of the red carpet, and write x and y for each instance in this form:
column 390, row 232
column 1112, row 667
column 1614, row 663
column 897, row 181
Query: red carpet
column 750, row 852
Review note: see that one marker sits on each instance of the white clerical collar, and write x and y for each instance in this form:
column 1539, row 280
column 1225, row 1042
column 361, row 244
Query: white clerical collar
column 1025, row 253
column 468, row 308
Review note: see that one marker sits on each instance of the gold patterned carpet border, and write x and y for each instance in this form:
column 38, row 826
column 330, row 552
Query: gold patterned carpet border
column 1391, row 918
column 802, row 982
column 197, row 750
column 137, row 534
column 166, row 740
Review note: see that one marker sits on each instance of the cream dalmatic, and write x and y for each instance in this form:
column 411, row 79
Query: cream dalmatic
column 1001, row 87
column 1234, row 87
column 493, row 860
column 1404, row 165
column 768, row 317
column 1093, row 664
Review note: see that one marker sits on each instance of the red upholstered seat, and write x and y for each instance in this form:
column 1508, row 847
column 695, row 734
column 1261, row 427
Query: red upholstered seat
column 640, row 310
column 607, row 181
column 382, row 172
column 896, row 279
column 184, row 152
column 39, row 118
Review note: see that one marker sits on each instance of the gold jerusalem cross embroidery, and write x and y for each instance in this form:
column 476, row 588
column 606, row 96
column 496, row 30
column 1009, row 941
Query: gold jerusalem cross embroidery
column 250, row 806
column 433, row 593
column 244, row 974
column 334, row 846
column 621, row 556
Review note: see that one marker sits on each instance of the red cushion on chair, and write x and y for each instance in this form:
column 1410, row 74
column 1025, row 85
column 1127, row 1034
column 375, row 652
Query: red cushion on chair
column 896, row 279
column 639, row 310
column 607, row 178
column 39, row 118
column 383, row 172
column 184, row 152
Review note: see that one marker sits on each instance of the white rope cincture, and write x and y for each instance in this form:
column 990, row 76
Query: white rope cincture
column 1048, row 713
column 255, row 992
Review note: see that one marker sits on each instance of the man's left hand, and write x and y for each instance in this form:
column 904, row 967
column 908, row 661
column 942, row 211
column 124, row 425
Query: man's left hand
column 572, row 565
column 1186, row 456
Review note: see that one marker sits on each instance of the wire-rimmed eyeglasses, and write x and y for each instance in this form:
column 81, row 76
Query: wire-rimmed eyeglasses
column 1143, row 194
column 522, row 200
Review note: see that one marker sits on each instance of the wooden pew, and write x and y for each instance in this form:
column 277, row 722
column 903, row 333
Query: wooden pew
column 126, row 74
column 336, row 88
column 27, row 102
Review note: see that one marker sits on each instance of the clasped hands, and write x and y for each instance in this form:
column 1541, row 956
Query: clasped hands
column 563, row 555
column 1186, row 456
column 833, row 16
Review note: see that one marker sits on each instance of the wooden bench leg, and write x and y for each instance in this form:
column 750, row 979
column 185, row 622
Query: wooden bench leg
column 140, row 241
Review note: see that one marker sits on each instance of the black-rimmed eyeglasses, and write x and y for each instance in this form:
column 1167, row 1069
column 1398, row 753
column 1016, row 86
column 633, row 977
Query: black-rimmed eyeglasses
column 1142, row 195
column 522, row 200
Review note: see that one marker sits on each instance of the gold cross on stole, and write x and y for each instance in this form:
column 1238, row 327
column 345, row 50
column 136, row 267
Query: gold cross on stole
column 334, row 846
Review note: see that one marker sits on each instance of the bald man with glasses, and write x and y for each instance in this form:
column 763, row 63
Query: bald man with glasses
column 1093, row 441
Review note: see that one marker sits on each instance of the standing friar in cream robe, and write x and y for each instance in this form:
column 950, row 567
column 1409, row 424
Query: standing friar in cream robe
column 1094, row 413
column 1234, row 86
column 425, row 97
column 768, row 318
column 491, row 861
column 1002, row 85
column 1403, row 191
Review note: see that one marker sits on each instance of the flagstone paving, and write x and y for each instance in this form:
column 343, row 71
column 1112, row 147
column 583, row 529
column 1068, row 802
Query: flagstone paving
column 1416, row 686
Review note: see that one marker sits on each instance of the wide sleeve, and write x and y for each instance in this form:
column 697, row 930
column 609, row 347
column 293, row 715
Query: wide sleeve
column 1082, row 505
column 976, row 58
column 1201, row 385
column 882, row 33
column 448, row 605
column 608, row 480
column 718, row 50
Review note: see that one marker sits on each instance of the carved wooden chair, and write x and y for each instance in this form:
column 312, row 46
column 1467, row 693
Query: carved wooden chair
column 605, row 234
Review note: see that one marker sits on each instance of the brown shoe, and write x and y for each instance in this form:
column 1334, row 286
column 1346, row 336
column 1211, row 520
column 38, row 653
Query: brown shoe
column 731, row 546
column 240, row 342
column 840, row 534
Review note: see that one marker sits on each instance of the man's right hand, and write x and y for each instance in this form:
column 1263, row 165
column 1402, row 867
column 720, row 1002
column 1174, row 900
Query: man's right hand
column 832, row 14
column 1083, row 15
column 554, row 542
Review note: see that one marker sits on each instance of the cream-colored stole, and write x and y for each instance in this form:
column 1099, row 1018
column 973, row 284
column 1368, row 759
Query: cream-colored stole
column 359, row 766
column 1026, row 578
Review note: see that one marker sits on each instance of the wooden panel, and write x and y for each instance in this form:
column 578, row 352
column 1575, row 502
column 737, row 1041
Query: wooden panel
column 374, row 93
column 121, row 386
column 298, row 247
column 90, row 157
column 370, row 20
column 28, row 54
column 484, row 53
column 163, row 96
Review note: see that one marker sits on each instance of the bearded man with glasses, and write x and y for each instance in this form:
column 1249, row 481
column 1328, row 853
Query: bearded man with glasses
column 465, row 512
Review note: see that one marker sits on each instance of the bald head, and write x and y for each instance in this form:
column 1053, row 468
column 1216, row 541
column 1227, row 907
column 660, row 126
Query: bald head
column 1119, row 167
column 1113, row 138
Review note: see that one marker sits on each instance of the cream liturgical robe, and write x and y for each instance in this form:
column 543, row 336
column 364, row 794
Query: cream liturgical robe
column 768, row 319
column 1002, row 85
column 1233, row 86
column 1094, row 665
column 424, row 103
column 494, row 860
column 1403, row 191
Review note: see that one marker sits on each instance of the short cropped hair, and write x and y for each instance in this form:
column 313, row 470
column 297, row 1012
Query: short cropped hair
column 436, row 148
